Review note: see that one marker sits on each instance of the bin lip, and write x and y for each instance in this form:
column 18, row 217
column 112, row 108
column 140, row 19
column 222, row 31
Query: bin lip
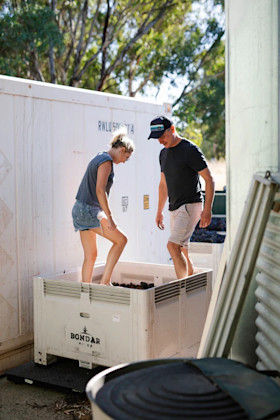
column 100, row 377
column 97, row 381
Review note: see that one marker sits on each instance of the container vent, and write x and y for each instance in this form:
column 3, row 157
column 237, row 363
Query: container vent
column 110, row 295
column 58, row 288
column 167, row 291
column 197, row 282
column 268, row 295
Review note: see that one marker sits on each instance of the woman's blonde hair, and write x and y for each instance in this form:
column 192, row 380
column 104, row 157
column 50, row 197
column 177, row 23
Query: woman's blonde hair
column 120, row 139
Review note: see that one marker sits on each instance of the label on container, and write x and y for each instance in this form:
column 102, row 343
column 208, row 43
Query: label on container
column 124, row 203
column 87, row 340
column 146, row 202
column 116, row 318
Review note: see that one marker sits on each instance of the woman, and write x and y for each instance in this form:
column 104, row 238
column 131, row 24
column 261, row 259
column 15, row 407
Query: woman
column 91, row 212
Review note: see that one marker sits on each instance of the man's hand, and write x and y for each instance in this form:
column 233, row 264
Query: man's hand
column 205, row 218
column 206, row 214
column 159, row 221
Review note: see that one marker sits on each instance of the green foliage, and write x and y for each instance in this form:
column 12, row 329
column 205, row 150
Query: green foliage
column 201, row 103
column 25, row 37
column 193, row 132
column 204, row 106
column 124, row 47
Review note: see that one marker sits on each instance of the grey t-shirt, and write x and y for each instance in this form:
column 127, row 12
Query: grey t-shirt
column 87, row 190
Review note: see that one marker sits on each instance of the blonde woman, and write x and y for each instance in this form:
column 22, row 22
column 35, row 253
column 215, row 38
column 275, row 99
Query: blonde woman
column 91, row 212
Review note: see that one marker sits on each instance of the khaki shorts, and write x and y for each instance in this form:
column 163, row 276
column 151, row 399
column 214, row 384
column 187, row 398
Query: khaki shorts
column 183, row 222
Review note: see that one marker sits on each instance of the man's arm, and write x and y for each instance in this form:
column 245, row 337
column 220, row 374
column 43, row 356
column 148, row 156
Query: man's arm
column 206, row 214
column 162, row 197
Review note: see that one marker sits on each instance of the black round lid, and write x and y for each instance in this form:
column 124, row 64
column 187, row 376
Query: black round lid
column 167, row 391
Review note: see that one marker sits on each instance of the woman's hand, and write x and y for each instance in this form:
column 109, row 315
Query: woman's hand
column 111, row 224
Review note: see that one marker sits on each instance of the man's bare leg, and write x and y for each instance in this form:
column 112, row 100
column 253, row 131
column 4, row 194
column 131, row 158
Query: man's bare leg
column 190, row 265
column 179, row 261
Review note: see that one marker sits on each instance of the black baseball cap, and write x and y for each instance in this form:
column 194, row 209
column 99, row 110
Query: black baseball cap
column 158, row 127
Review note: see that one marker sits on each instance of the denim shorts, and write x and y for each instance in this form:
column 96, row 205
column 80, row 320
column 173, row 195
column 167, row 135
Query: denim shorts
column 85, row 216
column 183, row 222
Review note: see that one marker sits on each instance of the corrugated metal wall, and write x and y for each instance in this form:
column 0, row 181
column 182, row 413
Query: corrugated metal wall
column 268, row 294
column 225, row 313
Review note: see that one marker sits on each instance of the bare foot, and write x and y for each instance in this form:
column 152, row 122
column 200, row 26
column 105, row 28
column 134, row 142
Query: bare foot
column 191, row 269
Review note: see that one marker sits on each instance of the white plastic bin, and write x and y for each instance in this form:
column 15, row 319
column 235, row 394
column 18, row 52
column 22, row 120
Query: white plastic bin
column 206, row 255
column 109, row 325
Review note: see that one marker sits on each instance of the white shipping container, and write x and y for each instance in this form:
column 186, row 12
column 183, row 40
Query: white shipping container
column 49, row 133
column 108, row 325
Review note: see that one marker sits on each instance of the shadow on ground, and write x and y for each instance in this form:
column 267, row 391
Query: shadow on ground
column 26, row 402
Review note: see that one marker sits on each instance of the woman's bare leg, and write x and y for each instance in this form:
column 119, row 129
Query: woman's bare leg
column 88, row 239
column 119, row 241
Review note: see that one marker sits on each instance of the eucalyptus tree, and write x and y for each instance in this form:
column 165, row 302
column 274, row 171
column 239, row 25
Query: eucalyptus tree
column 70, row 41
column 125, row 47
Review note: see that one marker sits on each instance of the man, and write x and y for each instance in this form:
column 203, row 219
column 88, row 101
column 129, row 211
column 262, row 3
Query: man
column 181, row 162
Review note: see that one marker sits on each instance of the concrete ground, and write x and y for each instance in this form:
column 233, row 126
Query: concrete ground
column 31, row 402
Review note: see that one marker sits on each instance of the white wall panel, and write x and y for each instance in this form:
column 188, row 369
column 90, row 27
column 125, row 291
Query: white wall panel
column 42, row 187
column 252, row 84
column 24, row 187
column 9, row 325
column 68, row 128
